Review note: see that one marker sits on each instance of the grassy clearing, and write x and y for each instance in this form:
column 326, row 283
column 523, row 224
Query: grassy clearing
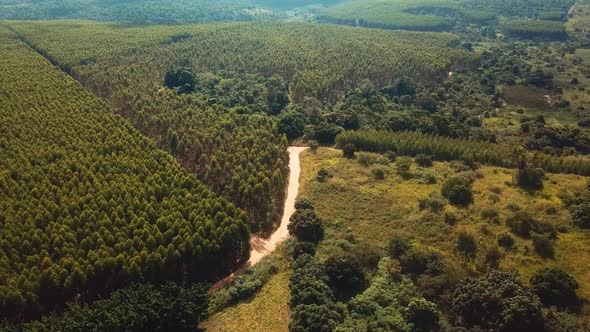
column 352, row 202
column 423, row 15
column 268, row 310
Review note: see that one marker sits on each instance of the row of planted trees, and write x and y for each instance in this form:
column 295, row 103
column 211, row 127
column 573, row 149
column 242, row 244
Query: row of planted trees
column 447, row 149
column 87, row 204
column 239, row 155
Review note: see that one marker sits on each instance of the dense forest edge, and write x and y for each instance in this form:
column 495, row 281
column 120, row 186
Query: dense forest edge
column 445, row 185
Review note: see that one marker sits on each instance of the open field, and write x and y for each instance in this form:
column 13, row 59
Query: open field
column 374, row 211
column 268, row 310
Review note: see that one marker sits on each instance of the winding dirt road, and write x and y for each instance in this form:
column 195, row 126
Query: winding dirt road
column 263, row 247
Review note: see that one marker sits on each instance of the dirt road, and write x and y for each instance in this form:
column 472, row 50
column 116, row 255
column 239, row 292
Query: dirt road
column 263, row 247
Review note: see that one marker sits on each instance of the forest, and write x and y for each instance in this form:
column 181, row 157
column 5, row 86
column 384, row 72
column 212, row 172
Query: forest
column 300, row 165
column 88, row 205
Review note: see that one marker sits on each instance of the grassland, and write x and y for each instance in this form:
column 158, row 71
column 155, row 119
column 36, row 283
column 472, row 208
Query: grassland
column 388, row 14
column 353, row 203
column 268, row 310
column 579, row 22
column 423, row 15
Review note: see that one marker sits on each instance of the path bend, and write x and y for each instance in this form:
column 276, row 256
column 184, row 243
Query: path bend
column 260, row 247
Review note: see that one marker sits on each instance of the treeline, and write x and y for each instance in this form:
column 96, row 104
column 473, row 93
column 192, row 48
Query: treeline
column 138, row 308
column 417, row 23
column 446, row 149
column 136, row 12
column 212, row 132
column 287, row 4
column 241, row 156
column 385, row 15
column 87, row 204
column 320, row 61
column 535, row 29
column 521, row 8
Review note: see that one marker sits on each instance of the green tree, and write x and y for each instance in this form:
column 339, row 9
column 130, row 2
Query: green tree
column 466, row 244
column 581, row 214
column 498, row 302
column 457, row 189
column 423, row 315
column 345, row 273
column 555, row 287
column 305, row 225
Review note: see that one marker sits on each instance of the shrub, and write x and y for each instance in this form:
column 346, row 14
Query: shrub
column 460, row 166
column 306, row 226
column 314, row 317
column 308, row 283
column 303, row 203
column 466, row 244
column 398, row 246
column 423, row 315
column 493, row 256
column 303, row 248
column 324, row 133
column 505, row 241
column 417, row 261
column 496, row 190
column 581, row 214
column 497, row 302
column 543, row 227
column 379, row 172
column 348, row 151
column 369, row 158
column 555, row 287
column 323, row 175
column 423, row 160
column 562, row 321
column 450, row 218
column 390, row 155
column 426, row 178
column 314, row 145
column 457, row 189
column 345, row 273
column 543, row 245
column 403, row 166
column 512, row 206
column 367, row 255
column 435, row 202
column 530, row 178
column 490, row 213
column 520, row 223
column 312, row 301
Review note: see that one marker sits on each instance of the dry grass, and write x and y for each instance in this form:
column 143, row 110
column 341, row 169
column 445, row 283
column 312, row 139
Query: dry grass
column 352, row 201
column 267, row 311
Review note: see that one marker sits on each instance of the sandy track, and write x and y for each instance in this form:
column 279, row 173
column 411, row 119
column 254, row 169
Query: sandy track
column 263, row 247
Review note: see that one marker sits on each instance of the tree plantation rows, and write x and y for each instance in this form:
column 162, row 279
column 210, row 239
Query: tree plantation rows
column 545, row 30
column 87, row 204
column 446, row 149
column 134, row 12
column 316, row 60
column 438, row 15
column 239, row 156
